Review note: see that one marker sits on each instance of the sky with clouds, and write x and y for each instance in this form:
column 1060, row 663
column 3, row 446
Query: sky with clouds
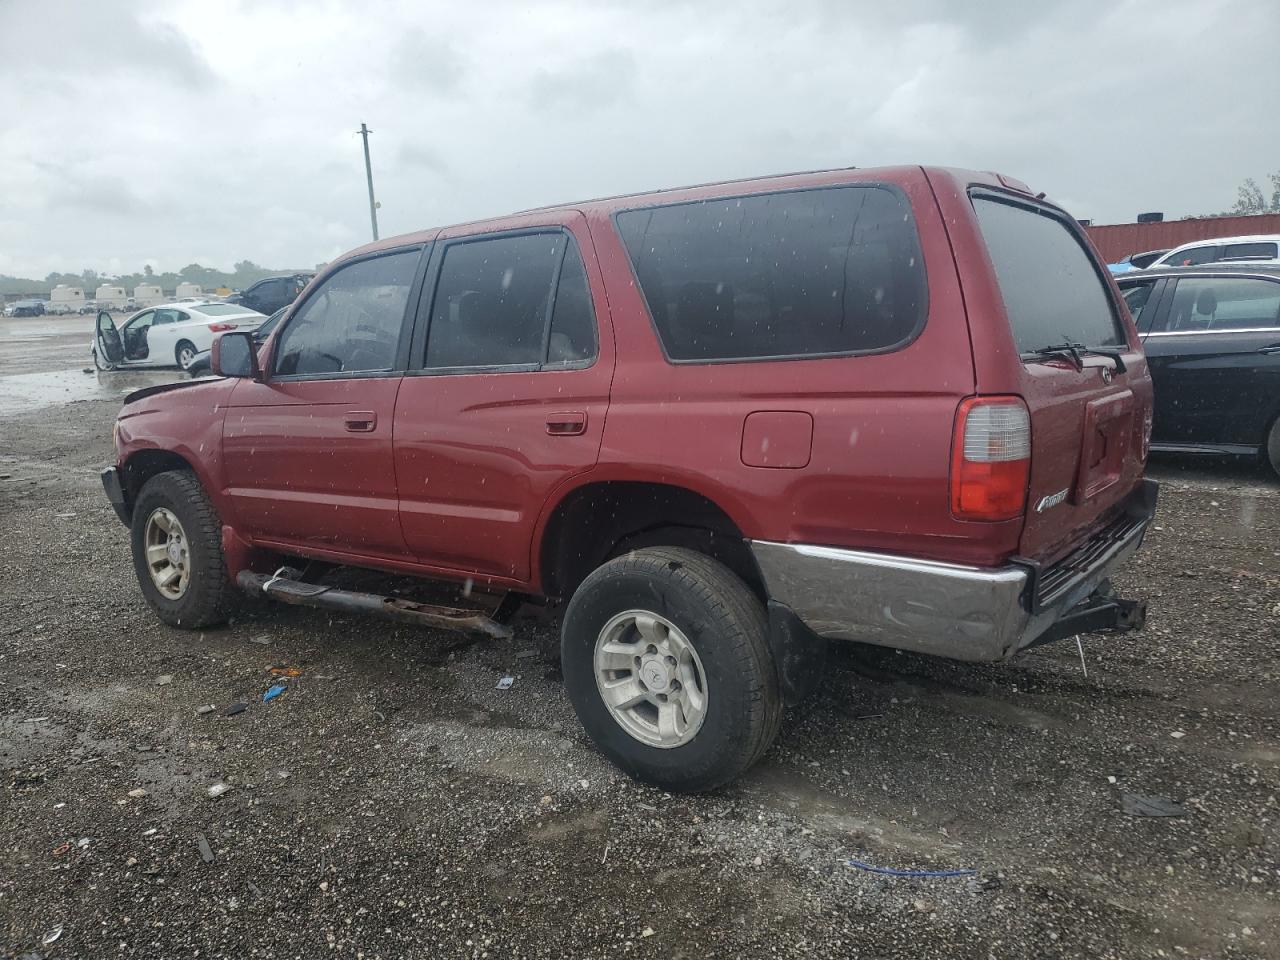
column 139, row 131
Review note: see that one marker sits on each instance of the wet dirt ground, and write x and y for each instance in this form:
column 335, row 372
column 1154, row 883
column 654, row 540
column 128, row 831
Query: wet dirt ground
column 394, row 803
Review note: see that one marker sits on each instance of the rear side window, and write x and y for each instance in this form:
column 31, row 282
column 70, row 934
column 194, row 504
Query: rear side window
column 1051, row 287
column 804, row 273
column 1249, row 251
column 352, row 323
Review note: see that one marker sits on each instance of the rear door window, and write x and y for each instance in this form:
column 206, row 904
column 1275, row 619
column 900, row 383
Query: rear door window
column 1217, row 304
column 1051, row 286
column 517, row 301
column 805, row 273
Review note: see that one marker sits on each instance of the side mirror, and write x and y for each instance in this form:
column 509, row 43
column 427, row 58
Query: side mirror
column 235, row 355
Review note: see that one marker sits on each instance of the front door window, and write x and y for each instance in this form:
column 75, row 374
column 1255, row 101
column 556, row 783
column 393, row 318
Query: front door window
column 352, row 323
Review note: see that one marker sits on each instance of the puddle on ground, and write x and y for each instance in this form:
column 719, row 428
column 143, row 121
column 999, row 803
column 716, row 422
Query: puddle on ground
column 29, row 391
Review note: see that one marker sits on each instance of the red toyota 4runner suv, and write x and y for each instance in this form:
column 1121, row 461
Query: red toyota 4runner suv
column 901, row 406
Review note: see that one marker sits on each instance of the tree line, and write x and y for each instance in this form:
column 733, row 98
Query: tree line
column 242, row 274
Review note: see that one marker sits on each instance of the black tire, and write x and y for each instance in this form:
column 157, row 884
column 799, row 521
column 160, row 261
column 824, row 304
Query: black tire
column 1273, row 446
column 727, row 626
column 210, row 597
column 178, row 350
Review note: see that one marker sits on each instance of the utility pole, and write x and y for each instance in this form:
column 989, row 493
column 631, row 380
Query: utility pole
column 368, row 172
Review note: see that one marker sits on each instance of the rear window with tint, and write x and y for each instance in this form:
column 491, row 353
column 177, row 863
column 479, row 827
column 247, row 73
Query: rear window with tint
column 803, row 273
column 1052, row 289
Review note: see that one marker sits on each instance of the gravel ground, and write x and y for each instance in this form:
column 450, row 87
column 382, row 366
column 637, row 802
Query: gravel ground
column 394, row 803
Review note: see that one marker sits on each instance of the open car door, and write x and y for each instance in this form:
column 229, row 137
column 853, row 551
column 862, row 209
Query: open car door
column 110, row 352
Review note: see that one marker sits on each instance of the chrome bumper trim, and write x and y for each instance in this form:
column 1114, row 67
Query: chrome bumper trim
column 944, row 609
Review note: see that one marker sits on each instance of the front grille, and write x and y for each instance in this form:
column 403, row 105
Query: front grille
column 1053, row 581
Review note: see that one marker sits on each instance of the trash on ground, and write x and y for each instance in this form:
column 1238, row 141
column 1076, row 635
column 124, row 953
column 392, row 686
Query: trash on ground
column 647, row 932
column 274, row 692
column 164, row 680
column 51, row 936
column 206, row 852
column 1149, row 805
column 912, row 874
column 1177, row 734
column 64, row 516
column 207, row 708
column 235, row 708
column 218, row 789
column 506, row 682
column 83, row 842
column 286, row 671
column 35, row 720
column 138, row 792
column 264, row 640
column 62, row 848
column 526, row 654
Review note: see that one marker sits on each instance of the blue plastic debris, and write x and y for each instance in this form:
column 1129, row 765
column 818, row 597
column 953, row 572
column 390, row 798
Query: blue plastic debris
column 274, row 692
column 914, row 874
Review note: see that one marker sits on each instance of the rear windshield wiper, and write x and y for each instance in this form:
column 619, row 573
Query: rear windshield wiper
column 1068, row 349
column 1074, row 351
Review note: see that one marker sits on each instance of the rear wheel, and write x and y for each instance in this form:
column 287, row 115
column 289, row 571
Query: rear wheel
column 177, row 552
column 1273, row 446
column 186, row 352
column 667, row 663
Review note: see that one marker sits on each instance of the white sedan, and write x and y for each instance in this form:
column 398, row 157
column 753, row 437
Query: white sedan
column 168, row 335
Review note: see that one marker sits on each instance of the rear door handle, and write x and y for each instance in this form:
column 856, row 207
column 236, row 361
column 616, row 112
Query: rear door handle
column 361, row 421
column 571, row 424
column 1274, row 348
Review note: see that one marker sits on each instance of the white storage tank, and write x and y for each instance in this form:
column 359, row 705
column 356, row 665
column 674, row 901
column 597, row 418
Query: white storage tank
column 65, row 299
column 147, row 295
column 186, row 289
column 110, row 297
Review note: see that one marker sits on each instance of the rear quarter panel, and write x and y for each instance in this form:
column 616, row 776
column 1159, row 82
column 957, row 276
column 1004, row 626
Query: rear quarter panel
column 878, row 477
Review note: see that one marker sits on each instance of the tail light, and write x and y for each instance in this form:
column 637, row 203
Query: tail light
column 221, row 327
column 990, row 459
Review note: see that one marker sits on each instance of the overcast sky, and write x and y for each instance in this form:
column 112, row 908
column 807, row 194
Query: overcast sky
column 135, row 131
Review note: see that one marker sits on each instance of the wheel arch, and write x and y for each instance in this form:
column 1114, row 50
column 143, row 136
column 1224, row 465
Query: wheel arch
column 144, row 464
column 602, row 518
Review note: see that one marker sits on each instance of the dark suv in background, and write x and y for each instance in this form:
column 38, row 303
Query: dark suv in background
column 269, row 295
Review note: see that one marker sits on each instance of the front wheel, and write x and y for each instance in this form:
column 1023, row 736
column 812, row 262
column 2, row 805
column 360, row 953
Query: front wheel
column 1273, row 446
column 185, row 353
column 177, row 552
column 667, row 663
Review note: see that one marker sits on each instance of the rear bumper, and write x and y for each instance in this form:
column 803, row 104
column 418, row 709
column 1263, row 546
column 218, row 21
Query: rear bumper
column 115, row 493
column 956, row 611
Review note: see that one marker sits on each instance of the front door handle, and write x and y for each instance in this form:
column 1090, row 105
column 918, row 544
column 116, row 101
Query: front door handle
column 571, row 424
column 1274, row 348
column 361, row 421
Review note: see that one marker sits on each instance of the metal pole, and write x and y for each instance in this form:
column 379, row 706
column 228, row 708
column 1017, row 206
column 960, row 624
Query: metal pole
column 368, row 171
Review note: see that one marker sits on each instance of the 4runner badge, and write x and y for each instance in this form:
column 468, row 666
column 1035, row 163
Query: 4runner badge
column 1052, row 500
